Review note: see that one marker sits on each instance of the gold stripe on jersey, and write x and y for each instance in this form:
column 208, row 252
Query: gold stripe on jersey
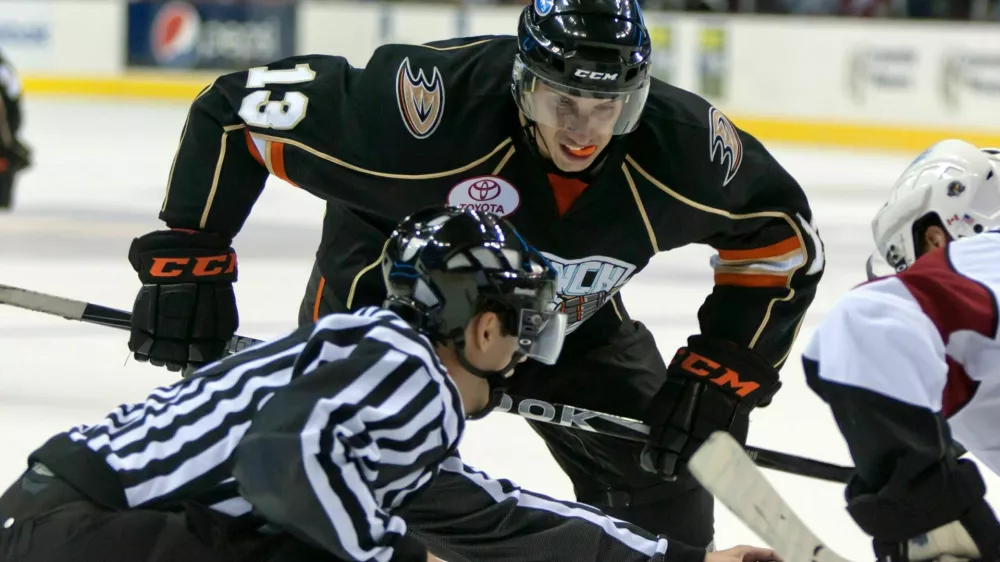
column 333, row 159
column 737, row 216
column 614, row 305
column 170, row 178
column 218, row 171
column 503, row 161
column 366, row 269
column 456, row 47
column 642, row 210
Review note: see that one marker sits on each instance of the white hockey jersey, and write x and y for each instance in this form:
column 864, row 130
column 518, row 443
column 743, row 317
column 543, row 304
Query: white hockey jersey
column 916, row 347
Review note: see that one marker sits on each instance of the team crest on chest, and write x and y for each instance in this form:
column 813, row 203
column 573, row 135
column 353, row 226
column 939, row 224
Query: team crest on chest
column 420, row 100
column 725, row 141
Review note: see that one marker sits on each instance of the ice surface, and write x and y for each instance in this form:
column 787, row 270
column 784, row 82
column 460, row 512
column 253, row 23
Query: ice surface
column 99, row 179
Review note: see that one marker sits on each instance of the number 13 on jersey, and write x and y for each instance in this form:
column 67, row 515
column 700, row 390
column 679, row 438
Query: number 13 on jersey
column 258, row 110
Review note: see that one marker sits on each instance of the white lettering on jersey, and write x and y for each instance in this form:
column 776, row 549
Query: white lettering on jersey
column 586, row 284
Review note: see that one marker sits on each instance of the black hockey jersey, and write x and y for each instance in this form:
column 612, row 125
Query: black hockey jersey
column 429, row 124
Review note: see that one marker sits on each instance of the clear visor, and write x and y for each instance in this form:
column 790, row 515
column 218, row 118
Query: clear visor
column 581, row 111
column 540, row 334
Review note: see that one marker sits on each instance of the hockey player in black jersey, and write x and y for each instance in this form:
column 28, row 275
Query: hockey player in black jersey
column 907, row 362
column 563, row 131
column 15, row 156
column 310, row 447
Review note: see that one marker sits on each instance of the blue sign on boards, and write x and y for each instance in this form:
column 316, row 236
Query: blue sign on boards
column 209, row 34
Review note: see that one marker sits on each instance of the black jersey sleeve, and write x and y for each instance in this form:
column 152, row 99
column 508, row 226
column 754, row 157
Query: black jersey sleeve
column 221, row 165
column 719, row 186
column 468, row 515
column 769, row 258
column 330, row 129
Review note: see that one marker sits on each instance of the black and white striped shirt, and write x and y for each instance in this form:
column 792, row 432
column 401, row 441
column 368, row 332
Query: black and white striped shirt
column 332, row 431
column 329, row 429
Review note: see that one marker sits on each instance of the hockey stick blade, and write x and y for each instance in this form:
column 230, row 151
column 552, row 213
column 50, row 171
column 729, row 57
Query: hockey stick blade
column 532, row 409
column 725, row 470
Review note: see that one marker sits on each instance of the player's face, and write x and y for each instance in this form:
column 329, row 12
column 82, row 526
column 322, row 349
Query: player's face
column 572, row 131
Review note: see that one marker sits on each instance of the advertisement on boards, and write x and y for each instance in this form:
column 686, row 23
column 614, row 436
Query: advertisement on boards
column 968, row 77
column 26, row 33
column 878, row 70
column 713, row 62
column 210, row 34
column 663, row 42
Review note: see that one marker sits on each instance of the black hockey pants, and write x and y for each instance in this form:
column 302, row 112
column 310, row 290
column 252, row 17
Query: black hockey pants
column 43, row 519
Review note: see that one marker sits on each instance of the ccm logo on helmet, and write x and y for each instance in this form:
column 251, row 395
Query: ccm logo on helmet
column 581, row 73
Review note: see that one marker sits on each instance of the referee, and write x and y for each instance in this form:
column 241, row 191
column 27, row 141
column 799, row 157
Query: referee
column 307, row 448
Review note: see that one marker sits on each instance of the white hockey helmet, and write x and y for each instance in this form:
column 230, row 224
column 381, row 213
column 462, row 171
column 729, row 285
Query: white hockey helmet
column 952, row 179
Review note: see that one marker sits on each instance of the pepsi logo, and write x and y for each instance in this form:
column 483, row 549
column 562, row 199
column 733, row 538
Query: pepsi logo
column 490, row 194
column 174, row 34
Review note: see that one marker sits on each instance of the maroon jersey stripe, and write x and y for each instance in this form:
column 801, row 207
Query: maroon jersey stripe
column 953, row 302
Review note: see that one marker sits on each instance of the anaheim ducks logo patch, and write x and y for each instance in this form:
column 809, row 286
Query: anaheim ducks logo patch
column 725, row 141
column 421, row 101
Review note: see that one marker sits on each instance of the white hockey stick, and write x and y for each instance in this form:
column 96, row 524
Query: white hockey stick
column 725, row 470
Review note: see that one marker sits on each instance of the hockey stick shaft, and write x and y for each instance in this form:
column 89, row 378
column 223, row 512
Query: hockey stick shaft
column 634, row 430
column 90, row 313
column 725, row 470
column 528, row 408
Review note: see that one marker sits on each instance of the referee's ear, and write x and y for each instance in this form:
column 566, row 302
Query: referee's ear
column 484, row 330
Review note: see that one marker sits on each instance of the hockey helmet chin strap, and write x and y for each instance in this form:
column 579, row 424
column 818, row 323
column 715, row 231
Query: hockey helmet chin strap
column 496, row 379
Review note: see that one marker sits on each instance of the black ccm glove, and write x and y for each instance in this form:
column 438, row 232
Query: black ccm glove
column 941, row 513
column 711, row 385
column 185, row 312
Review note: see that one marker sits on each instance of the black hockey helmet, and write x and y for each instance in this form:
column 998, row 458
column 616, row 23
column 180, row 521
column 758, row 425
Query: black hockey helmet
column 443, row 265
column 584, row 48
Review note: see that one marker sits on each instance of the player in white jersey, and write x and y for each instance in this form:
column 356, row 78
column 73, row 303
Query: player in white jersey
column 909, row 360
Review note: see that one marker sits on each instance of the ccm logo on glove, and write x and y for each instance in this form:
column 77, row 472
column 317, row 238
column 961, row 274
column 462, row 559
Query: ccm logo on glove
column 716, row 373
column 204, row 266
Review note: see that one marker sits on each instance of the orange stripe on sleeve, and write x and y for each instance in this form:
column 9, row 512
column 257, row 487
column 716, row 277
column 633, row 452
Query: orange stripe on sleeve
column 774, row 250
column 277, row 150
column 253, row 149
column 746, row 280
column 319, row 298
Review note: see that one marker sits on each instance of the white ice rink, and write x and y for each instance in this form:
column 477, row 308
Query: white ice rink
column 98, row 181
